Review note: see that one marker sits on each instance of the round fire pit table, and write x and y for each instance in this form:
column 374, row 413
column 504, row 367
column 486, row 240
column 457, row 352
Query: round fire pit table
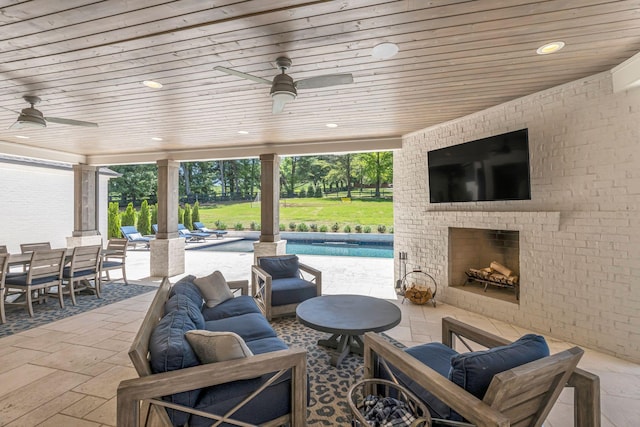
column 347, row 318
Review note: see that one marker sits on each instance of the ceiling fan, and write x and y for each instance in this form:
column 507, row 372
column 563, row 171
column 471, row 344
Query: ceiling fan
column 32, row 118
column 284, row 89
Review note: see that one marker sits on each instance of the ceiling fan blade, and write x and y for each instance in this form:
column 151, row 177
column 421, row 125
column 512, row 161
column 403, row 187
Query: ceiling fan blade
column 243, row 75
column 71, row 122
column 324, row 81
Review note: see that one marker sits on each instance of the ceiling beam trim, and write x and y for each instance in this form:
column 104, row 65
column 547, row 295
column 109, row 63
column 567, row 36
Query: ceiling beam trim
column 243, row 152
column 13, row 149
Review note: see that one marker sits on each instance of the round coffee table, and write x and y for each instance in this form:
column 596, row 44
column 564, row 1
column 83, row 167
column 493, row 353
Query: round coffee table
column 347, row 318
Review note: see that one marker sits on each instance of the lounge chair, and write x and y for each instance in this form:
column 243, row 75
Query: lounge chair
column 183, row 231
column 134, row 237
column 201, row 228
column 191, row 236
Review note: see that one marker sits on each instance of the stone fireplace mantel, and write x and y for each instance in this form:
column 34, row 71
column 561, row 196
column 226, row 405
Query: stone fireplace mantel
column 504, row 220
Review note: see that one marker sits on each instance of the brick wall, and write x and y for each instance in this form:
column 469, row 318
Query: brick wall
column 37, row 205
column 579, row 233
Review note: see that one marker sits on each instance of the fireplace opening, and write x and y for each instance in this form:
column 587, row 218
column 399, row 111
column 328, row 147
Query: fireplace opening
column 490, row 257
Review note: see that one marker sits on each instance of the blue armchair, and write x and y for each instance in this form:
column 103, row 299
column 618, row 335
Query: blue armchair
column 280, row 283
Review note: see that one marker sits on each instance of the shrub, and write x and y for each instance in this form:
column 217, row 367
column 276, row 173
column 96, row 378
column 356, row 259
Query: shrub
column 311, row 191
column 313, row 227
column 302, row 227
column 358, row 228
column 292, row 226
column 302, row 193
column 195, row 214
column 367, row 229
column 154, row 214
column 220, row 225
column 144, row 218
column 113, row 220
column 323, row 228
column 188, row 221
column 318, row 192
column 180, row 215
column 347, row 229
column 128, row 217
column 282, row 227
column 382, row 229
column 391, row 230
column 254, row 226
column 238, row 226
column 335, row 227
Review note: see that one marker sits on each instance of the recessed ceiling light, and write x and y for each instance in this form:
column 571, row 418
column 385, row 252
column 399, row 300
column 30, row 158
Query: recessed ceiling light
column 385, row 51
column 550, row 48
column 22, row 137
column 331, row 125
column 152, row 84
column 156, row 138
column 243, row 132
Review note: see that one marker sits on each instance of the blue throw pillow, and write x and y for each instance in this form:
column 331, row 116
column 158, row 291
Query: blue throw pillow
column 181, row 302
column 185, row 286
column 280, row 267
column 474, row 371
column 169, row 350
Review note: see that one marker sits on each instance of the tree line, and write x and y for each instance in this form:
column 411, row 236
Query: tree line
column 240, row 179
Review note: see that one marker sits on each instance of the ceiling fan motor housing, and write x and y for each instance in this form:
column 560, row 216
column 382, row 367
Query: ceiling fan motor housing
column 30, row 117
column 283, row 83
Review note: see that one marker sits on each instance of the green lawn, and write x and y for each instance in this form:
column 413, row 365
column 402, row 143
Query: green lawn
column 310, row 211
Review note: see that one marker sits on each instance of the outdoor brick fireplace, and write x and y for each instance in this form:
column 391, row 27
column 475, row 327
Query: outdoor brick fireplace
column 459, row 240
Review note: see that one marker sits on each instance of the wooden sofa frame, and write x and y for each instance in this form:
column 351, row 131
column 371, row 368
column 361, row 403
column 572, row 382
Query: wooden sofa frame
column 139, row 400
column 264, row 300
column 585, row 384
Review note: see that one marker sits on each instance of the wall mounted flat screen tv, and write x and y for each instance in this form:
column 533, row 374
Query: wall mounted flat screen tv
column 488, row 169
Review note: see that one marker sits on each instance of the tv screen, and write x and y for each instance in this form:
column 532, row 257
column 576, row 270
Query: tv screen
column 488, row 169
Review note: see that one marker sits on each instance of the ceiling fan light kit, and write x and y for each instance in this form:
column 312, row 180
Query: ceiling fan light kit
column 283, row 88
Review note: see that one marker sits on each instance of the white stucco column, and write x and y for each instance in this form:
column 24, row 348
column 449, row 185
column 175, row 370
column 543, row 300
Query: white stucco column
column 167, row 249
column 85, row 227
column 270, row 243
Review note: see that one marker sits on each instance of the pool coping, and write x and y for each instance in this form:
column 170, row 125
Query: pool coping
column 321, row 237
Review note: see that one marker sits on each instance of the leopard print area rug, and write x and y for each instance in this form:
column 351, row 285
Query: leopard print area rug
column 328, row 405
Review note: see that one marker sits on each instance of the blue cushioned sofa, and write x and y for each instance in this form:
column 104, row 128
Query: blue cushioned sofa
column 509, row 383
column 181, row 389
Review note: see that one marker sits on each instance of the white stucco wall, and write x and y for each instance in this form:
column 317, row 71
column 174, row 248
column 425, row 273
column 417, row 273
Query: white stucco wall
column 580, row 232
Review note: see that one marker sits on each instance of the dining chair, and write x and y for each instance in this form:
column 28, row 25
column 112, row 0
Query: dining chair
column 30, row 247
column 26, row 248
column 4, row 267
column 44, row 271
column 84, row 267
column 115, row 257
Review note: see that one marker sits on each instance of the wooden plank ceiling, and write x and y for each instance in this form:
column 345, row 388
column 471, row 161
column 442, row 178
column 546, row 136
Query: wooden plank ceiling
column 86, row 59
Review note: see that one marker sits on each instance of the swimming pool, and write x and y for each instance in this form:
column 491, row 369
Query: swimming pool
column 358, row 249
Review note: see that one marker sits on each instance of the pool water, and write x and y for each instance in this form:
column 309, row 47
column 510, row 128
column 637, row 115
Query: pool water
column 371, row 250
